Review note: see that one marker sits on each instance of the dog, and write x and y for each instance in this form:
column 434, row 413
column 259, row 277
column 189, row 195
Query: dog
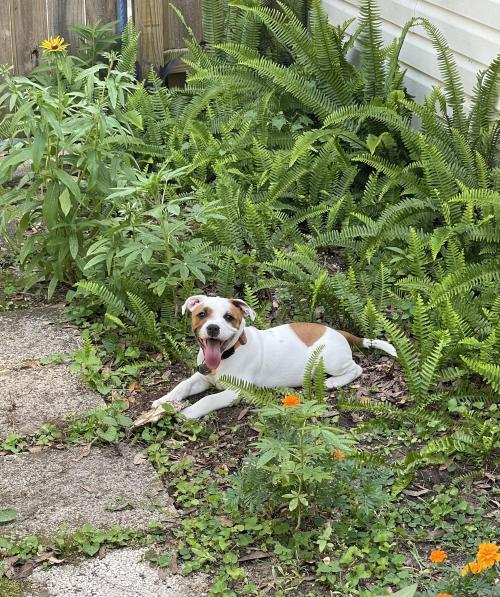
column 276, row 357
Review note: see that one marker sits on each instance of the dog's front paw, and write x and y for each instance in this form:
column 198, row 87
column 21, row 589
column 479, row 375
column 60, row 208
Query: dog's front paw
column 192, row 412
column 163, row 399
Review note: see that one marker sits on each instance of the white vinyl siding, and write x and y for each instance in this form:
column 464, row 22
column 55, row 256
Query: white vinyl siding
column 471, row 28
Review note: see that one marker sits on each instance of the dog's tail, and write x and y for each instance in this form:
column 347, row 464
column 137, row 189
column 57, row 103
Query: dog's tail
column 367, row 343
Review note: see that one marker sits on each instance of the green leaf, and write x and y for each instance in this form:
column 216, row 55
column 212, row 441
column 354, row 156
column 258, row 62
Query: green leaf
column 16, row 158
column 406, row 592
column 66, row 68
column 373, row 141
column 7, row 515
column 73, row 246
column 50, row 207
column 68, row 181
column 278, row 121
column 135, row 118
column 265, row 458
column 147, row 254
column 65, row 202
column 91, row 548
column 116, row 320
column 27, row 249
column 39, row 143
column 94, row 261
column 109, row 435
column 52, row 286
column 112, row 92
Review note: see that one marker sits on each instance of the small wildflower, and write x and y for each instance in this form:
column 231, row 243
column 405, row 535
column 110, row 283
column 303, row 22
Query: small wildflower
column 337, row 455
column 443, row 595
column 54, row 44
column 290, row 400
column 488, row 554
column 438, row 556
column 473, row 567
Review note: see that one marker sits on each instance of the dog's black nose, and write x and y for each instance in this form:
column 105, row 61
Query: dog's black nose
column 213, row 330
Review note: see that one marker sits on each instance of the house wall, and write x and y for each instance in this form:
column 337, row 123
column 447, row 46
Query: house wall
column 471, row 27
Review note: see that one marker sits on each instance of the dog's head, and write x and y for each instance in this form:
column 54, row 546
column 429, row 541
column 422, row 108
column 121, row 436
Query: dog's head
column 217, row 324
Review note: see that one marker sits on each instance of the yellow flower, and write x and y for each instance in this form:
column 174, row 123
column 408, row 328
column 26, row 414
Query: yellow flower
column 290, row 400
column 473, row 567
column 438, row 556
column 488, row 554
column 54, row 44
column 337, row 455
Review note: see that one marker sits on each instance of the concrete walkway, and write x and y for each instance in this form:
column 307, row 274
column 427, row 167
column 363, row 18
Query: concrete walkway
column 54, row 489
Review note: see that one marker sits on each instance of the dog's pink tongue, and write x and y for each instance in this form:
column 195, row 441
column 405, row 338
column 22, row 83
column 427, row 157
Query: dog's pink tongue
column 212, row 353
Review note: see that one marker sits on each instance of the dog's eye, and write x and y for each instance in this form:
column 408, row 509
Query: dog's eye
column 202, row 315
column 228, row 317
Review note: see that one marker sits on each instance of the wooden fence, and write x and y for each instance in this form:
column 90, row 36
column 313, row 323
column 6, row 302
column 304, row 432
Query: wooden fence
column 25, row 23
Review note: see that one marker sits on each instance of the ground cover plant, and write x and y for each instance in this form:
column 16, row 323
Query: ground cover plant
column 313, row 186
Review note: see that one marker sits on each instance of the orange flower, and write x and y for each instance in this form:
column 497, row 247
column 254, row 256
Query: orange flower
column 290, row 400
column 443, row 595
column 337, row 455
column 488, row 554
column 473, row 567
column 438, row 556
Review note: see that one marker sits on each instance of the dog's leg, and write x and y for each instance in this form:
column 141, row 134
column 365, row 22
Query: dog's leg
column 209, row 403
column 194, row 385
column 337, row 381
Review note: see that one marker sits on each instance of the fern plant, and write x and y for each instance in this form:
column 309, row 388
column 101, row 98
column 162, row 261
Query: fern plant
column 138, row 320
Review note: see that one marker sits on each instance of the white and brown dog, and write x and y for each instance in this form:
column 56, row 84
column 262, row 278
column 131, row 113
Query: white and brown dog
column 276, row 357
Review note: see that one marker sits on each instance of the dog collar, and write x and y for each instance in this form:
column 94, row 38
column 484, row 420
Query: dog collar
column 242, row 340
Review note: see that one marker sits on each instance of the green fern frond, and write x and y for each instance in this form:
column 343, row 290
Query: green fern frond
column 489, row 371
column 453, row 82
column 256, row 396
column 128, row 53
column 371, row 48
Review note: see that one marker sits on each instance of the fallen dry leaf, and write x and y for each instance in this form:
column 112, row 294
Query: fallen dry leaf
column 140, row 458
column 445, row 466
column 36, row 449
column 254, row 555
column 436, row 534
column 225, row 521
column 417, row 492
column 86, row 450
column 24, row 571
column 155, row 414
column 163, row 573
column 243, row 413
column 357, row 418
column 134, row 387
column 172, row 566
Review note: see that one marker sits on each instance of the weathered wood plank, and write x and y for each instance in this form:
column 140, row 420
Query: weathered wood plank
column 148, row 18
column 29, row 28
column 62, row 14
column 173, row 31
column 100, row 10
column 5, row 33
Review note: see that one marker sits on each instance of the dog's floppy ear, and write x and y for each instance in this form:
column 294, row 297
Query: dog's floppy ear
column 247, row 311
column 192, row 301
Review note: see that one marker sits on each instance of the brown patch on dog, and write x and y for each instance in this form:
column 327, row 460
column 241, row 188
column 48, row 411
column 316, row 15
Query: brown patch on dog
column 352, row 339
column 237, row 313
column 309, row 333
column 196, row 322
